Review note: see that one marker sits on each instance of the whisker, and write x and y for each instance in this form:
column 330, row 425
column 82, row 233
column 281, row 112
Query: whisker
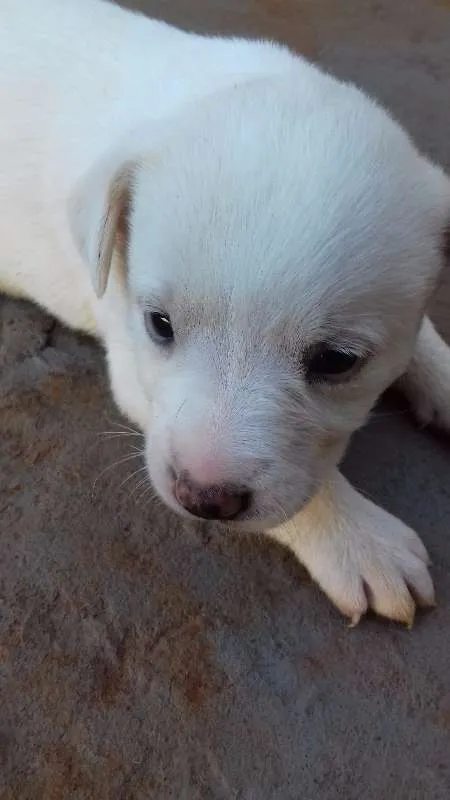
column 139, row 485
column 152, row 496
column 155, row 498
column 111, row 466
column 136, row 472
column 148, row 490
column 113, row 434
column 139, row 450
column 123, row 426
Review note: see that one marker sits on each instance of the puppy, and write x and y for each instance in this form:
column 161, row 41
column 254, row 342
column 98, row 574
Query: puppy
column 255, row 244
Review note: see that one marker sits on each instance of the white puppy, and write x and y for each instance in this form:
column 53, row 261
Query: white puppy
column 254, row 243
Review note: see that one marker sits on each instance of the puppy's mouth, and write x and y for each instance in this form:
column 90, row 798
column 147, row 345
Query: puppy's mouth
column 251, row 516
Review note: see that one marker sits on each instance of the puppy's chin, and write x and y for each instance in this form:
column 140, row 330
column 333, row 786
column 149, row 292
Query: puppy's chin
column 250, row 522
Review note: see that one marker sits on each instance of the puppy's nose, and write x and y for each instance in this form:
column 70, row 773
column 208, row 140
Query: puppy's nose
column 211, row 502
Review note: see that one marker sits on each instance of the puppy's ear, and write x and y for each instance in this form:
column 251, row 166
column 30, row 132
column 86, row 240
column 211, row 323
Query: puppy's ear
column 99, row 211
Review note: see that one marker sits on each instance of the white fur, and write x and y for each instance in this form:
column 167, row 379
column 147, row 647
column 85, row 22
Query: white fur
column 359, row 554
column 268, row 208
column 427, row 381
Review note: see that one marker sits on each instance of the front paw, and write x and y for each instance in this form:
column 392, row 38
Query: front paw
column 427, row 380
column 431, row 402
column 361, row 556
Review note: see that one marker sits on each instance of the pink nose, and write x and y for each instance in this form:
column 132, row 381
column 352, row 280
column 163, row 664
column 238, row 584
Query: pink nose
column 211, row 502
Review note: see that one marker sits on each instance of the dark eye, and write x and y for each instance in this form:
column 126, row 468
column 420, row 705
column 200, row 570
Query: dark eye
column 328, row 364
column 159, row 327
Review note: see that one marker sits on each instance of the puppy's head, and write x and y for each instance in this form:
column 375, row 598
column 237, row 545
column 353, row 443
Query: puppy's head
column 281, row 241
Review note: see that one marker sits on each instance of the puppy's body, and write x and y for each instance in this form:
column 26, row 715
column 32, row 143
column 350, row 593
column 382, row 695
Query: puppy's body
column 236, row 227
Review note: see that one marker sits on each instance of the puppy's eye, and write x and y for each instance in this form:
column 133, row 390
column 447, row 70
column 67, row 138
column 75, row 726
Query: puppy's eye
column 329, row 365
column 159, row 327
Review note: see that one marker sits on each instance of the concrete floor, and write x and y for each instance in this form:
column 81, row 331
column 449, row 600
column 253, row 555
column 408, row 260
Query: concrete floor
column 145, row 659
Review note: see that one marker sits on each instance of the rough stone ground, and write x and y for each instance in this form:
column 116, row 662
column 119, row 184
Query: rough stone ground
column 144, row 659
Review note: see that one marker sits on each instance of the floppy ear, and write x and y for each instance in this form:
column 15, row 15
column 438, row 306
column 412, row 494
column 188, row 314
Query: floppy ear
column 99, row 214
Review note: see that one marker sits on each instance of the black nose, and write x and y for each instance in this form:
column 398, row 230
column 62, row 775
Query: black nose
column 211, row 502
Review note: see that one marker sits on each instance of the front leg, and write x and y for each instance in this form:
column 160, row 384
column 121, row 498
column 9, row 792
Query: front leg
column 361, row 556
column 427, row 380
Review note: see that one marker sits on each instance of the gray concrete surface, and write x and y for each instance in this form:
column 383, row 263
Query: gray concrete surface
column 144, row 659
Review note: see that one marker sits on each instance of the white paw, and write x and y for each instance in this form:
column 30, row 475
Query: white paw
column 376, row 563
column 361, row 556
column 427, row 381
column 431, row 402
